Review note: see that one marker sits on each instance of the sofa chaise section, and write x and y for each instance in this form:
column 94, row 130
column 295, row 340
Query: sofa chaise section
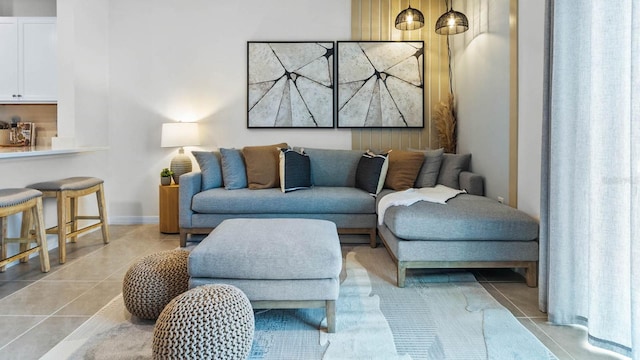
column 469, row 231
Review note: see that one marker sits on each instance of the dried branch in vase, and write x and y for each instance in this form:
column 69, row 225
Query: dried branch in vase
column 444, row 117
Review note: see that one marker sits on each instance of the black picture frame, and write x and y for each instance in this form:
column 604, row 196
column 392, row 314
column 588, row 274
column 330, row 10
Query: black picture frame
column 290, row 84
column 380, row 84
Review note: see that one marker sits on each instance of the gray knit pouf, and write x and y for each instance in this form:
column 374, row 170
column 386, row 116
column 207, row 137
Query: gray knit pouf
column 206, row 322
column 153, row 281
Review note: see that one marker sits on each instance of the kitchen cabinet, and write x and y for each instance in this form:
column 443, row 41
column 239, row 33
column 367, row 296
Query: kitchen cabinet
column 28, row 60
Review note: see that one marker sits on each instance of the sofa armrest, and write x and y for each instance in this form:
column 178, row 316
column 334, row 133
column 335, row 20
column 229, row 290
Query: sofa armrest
column 473, row 183
column 190, row 184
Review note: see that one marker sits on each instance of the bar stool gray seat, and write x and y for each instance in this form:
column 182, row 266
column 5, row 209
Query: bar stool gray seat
column 67, row 192
column 29, row 203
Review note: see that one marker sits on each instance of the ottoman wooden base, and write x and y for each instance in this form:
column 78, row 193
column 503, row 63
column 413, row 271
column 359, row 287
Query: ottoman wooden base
column 277, row 263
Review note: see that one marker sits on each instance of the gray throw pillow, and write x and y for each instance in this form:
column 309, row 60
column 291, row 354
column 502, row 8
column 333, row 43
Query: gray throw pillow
column 234, row 173
column 209, row 162
column 428, row 175
column 452, row 166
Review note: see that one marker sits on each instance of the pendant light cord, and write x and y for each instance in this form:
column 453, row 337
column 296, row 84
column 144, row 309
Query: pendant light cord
column 446, row 4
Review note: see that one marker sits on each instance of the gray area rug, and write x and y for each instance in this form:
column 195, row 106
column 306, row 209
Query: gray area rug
column 439, row 315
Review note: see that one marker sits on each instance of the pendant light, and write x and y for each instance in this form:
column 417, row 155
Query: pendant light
column 452, row 22
column 409, row 19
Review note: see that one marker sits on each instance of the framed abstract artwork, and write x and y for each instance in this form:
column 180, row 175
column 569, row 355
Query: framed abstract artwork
column 380, row 84
column 290, row 84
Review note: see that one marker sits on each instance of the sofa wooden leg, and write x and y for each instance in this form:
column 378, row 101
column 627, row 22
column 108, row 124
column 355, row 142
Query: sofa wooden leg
column 402, row 273
column 331, row 316
column 531, row 274
column 183, row 238
column 373, row 238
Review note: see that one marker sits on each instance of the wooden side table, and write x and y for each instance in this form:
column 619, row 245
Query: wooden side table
column 169, row 220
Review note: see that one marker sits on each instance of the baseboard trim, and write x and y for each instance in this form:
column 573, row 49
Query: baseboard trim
column 133, row 220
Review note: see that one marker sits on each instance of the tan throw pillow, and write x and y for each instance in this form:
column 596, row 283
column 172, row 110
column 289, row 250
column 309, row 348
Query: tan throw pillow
column 262, row 164
column 404, row 167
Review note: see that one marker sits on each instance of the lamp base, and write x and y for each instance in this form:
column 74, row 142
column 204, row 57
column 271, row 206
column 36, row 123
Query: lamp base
column 180, row 164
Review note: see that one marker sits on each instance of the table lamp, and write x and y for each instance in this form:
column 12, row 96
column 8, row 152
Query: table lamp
column 180, row 134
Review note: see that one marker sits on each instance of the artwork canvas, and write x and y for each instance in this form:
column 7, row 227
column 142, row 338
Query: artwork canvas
column 290, row 84
column 380, row 84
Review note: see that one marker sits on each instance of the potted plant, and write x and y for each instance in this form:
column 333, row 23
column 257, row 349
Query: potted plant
column 165, row 176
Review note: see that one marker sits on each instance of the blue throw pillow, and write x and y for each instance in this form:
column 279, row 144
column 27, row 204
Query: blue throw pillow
column 371, row 172
column 234, row 173
column 295, row 170
column 209, row 163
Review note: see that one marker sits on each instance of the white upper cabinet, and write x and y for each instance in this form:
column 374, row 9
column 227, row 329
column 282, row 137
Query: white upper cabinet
column 28, row 60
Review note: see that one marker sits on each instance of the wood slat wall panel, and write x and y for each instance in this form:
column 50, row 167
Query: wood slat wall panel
column 375, row 20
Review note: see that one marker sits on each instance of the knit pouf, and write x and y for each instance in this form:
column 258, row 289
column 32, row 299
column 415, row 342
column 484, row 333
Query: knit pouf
column 207, row 322
column 153, row 281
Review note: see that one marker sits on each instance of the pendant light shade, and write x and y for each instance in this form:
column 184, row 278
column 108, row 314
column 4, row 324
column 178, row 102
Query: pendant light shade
column 452, row 22
column 409, row 19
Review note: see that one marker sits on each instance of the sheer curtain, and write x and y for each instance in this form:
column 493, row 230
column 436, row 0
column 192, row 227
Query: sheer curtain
column 590, row 206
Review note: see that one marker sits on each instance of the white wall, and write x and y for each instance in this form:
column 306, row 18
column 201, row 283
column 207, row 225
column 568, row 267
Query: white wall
column 125, row 67
column 27, row 7
column 481, row 86
column 172, row 60
column 530, row 78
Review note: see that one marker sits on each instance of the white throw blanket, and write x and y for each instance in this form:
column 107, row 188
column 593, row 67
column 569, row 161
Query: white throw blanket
column 438, row 194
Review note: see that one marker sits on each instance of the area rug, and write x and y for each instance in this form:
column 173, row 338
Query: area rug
column 438, row 315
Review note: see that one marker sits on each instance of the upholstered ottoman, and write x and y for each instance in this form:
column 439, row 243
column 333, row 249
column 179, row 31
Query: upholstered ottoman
column 207, row 322
column 277, row 263
column 153, row 280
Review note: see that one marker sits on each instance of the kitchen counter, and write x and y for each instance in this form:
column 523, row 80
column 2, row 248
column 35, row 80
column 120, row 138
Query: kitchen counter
column 22, row 152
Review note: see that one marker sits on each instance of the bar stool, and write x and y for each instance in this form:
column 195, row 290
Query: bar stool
column 29, row 203
column 67, row 191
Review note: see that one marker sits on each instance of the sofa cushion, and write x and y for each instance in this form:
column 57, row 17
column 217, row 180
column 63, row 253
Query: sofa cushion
column 404, row 167
column 465, row 217
column 452, row 166
column 371, row 172
column 331, row 167
column 209, row 162
column 295, row 170
column 262, row 165
column 234, row 174
column 428, row 175
column 317, row 200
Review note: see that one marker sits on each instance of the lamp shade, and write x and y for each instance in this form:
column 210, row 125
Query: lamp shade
column 180, row 134
column 452, row 22
column 409, row 19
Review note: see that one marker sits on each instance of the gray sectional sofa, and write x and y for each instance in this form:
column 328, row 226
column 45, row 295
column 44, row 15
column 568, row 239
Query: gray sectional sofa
column 469, row 231
column 333, row 197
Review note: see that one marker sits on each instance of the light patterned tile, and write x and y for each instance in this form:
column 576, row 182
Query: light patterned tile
column 13, row 326
column 39, row 340
column 91, row 301
column 43, row 297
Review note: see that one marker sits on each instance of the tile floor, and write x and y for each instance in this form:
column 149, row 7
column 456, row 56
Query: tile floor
column 38, row 310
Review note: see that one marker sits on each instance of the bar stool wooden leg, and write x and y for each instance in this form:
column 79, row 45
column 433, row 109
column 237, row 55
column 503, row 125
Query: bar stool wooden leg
column 25, row 228
column 41, row 236
column 102, row 211
column 61, row 199
column 3, row 235
column 73, row 217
